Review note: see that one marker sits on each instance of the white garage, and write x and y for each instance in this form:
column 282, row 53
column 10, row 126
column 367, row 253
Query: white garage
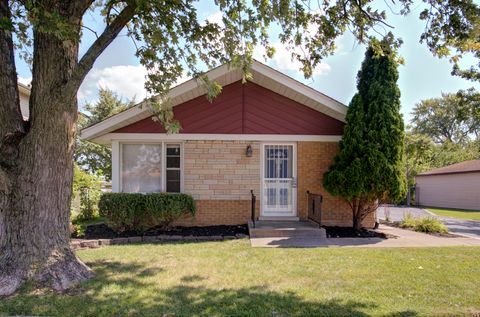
column 454, row 186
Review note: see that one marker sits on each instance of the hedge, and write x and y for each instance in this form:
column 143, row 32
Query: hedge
column 140, row 212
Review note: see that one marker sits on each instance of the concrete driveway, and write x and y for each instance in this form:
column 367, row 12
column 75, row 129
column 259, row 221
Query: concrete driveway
column 469, row 228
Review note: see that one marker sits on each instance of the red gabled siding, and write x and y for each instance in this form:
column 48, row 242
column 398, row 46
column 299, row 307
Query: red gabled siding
column 247, row 109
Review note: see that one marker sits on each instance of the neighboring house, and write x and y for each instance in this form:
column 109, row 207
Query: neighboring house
column 453, row 186
column 273, row 135
column 24, row 94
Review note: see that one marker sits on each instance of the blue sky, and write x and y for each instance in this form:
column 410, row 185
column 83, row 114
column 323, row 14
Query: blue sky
column 422, row 76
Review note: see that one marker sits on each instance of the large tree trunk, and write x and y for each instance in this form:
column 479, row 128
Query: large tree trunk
column 36, row 169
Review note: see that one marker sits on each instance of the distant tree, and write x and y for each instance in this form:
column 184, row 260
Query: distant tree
column 419, row 156
column 370, row 166
column 420, row 152
column 92, row 157
column 453, row 118
column 451, row 153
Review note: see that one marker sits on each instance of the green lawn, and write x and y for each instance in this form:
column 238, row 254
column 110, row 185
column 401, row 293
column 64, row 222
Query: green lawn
column 232, row 279
column 456, row 213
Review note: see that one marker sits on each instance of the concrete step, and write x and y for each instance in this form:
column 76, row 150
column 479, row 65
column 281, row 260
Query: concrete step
column 278, row 218
column 292, row 229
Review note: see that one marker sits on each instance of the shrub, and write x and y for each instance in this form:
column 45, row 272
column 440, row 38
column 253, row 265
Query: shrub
column 408, row 221
column 430, row 225
column 427, row 224
column 86, row 192
column 139, row 212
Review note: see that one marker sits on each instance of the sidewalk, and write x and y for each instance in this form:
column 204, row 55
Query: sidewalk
column 404, row 239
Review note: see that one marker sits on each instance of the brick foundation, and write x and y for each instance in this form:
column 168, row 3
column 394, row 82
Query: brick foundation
column 219, row 212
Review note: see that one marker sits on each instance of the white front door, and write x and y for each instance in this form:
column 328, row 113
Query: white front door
column 279, row 180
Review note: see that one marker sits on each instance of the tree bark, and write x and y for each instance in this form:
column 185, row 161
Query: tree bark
column 36, row 183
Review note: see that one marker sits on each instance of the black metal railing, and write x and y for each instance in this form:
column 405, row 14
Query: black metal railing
column 315, row 206
column 254, row 200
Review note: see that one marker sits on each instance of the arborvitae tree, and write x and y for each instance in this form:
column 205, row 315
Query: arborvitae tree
column 370, row 165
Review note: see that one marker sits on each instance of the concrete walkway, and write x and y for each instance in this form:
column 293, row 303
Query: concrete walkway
column 469, row 228
column 404, row 238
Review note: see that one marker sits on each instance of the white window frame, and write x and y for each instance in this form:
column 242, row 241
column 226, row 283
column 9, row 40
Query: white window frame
column 164, row 165
column 117, row 154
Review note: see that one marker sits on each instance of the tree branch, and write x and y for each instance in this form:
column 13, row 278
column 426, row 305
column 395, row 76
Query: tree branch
column 100, row 44
column 78, row 7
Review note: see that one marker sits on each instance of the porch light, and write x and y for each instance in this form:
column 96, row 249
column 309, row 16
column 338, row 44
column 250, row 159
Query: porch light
column 249, row 151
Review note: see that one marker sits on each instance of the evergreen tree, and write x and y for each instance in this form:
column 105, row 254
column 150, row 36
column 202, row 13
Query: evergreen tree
column 92, row 157
column 370, row 165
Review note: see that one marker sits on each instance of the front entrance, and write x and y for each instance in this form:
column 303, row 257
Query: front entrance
column 279, row 183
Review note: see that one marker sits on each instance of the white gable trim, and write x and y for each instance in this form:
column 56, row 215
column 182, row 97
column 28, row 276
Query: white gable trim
column 263, row 75
column 150, row 137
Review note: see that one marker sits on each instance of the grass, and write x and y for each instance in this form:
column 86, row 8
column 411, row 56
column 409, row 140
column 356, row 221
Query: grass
column 232, row 279
column 456, row 213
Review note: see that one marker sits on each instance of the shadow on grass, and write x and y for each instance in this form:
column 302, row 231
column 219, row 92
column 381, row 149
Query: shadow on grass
column 127, row 290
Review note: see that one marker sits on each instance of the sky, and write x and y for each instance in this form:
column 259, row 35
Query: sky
column 423, row 75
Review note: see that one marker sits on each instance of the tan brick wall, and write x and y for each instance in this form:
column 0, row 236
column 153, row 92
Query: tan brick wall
column 220, row 170
column 219, row 212
column 219, row 176
column 313, row 160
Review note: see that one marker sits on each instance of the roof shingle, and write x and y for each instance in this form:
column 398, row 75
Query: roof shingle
column 462, row 167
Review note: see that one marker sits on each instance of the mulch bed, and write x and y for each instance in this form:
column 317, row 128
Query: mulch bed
column 102, row 231
column 345, row 232
column 396, row 224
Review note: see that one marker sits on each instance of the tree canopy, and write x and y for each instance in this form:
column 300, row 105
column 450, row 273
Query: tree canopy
column 453, row 118
column 92, row 157
column 370, row 165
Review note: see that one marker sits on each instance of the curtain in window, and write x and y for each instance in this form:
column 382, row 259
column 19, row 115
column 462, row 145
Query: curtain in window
column 141, row 168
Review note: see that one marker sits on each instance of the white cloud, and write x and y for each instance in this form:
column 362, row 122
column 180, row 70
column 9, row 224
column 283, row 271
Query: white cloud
column 126, row 80
column 216, row 18
column 282, row 60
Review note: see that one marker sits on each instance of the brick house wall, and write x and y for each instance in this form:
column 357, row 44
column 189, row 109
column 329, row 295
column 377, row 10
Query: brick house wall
column 313, row 160
column 219, row 176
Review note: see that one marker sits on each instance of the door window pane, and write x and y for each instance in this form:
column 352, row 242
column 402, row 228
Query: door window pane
column 278, row 161
column 141, row 168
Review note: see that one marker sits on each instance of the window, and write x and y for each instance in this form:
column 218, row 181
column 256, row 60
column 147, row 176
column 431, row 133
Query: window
column 173, row 168
column 147, row 168
column 141, row 168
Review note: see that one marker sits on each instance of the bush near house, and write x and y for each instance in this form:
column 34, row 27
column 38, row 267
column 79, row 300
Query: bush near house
column 427, row 224
column 86, row 191
column 139, row 212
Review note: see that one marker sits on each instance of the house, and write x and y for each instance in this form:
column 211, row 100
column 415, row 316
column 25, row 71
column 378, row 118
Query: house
column 454, row 186
column 24, row 95
column 273, row 135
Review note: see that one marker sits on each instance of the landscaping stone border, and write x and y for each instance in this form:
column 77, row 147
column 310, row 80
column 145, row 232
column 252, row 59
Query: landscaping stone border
column 80, row 244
